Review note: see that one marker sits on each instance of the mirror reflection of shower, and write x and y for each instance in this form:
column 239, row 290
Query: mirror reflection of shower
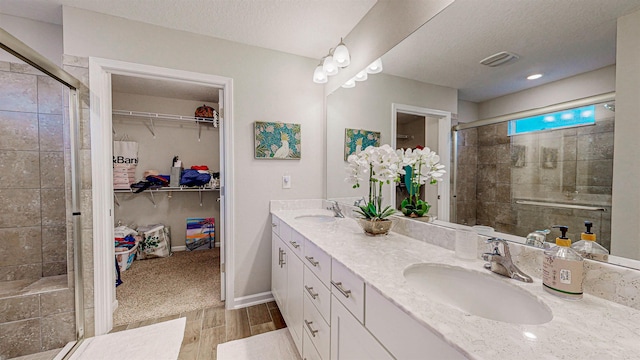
column 529, row 174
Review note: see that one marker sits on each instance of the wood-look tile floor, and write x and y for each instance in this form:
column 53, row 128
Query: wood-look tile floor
column 206, row 328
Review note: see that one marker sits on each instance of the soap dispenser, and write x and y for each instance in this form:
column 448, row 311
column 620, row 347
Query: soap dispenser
column 563, row 268
column 538, row 238
column 588, row 248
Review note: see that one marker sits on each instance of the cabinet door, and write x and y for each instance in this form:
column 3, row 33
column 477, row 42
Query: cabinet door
column 295, row 271
column 278, row 273
column 349, row 339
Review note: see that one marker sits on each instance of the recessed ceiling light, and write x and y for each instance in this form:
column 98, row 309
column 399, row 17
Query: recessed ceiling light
column 534, row 76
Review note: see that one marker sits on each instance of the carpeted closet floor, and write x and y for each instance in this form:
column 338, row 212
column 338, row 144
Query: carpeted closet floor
column 156, row 288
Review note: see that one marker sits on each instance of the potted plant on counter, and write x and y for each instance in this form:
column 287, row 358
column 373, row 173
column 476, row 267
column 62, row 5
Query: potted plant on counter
column 420, row 166
column 381, row 165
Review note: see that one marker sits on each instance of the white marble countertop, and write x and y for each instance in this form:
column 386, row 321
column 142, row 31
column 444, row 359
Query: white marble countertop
column 590, row 328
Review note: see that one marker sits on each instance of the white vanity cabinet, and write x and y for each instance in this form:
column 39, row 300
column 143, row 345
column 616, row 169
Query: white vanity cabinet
column 287, row 279
column 333, row 314
column 351, row 340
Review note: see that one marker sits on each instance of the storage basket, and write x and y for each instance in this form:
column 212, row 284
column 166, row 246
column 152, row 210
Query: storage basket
column 125, row 258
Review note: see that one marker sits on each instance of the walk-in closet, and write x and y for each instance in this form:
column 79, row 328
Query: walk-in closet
column 167, row 176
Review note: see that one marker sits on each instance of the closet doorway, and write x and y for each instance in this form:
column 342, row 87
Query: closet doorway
column 411, row 125
column 153, row 108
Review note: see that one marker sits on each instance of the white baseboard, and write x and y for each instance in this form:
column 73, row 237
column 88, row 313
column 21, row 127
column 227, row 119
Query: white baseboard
column 245, row 301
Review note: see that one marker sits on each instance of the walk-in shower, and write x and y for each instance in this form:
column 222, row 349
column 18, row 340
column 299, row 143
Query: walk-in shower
column 41, row 290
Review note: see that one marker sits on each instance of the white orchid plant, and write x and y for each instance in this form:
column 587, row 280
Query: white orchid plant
column 381, row 165
column 424, row 167
column 384, row 165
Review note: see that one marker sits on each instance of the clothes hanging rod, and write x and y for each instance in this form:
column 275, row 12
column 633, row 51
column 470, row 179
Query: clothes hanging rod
column 560, row 205
column 149, row 115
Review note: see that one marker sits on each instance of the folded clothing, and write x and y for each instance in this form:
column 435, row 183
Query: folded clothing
column 199, row 167
column 191, row 177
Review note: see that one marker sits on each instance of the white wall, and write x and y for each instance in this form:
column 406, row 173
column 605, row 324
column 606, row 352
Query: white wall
column 467, row 111
column 268, row 86
column 368, row 106
column 625, row 224
column 576, row 87
column 43, row 37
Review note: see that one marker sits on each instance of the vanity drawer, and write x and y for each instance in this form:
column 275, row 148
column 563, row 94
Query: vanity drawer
column 318, row 261
column 275, row 225
column 284, row 231
column 296, row 243
column 318, row 294
column 309, row 351
column 348, row 288
column 401, row 334
column 317, row 329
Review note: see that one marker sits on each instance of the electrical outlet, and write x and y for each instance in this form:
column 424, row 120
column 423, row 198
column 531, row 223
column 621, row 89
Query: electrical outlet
column 286, row 181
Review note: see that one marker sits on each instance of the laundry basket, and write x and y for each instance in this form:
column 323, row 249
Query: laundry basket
column 125, row 258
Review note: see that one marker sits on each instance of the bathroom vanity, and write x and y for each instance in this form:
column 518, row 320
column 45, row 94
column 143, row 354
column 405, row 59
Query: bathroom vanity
column 345, row 295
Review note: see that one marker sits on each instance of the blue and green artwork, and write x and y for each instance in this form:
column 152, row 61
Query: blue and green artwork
column 356, row 140
column 275, row 140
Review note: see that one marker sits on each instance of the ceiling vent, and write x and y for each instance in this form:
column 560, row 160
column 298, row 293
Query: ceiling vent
column 500, row 58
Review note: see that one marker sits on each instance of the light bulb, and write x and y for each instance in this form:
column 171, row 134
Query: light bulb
column 329, row 65
column 375, row 67
column 341, row 55
column 362, row 76
column 349, row 84
column 319, row 76
column 534, row 76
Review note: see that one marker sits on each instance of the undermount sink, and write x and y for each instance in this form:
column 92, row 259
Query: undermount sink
column 476, row 293
column 316, row 218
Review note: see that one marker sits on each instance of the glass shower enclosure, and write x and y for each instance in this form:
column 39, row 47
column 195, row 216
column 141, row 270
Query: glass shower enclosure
column 41, row 291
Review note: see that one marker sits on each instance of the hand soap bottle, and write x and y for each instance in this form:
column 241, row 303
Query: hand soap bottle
column 563, row 269
column 588, row 248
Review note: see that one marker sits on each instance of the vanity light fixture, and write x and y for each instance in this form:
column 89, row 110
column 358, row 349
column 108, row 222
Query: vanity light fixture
column 341, row 55
column 319, row 76
column 534, row 76
column 362, row 75
column 375, row 67
column 329, row 65
column 350, row 83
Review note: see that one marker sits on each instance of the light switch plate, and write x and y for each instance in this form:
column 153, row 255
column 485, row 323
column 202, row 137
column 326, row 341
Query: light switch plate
column 286, row 181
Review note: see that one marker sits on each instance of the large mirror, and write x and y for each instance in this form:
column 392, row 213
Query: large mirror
column 513, row 182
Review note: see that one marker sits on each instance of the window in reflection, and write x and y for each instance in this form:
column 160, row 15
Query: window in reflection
column 581, row 116
column 518, row 184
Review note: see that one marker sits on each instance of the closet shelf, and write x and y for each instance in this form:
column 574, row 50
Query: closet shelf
column 149, row 115
column 179, row 118
column 169, row 190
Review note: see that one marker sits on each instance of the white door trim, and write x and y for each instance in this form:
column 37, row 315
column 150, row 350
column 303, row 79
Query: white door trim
column 100, row 71
column 444, row 150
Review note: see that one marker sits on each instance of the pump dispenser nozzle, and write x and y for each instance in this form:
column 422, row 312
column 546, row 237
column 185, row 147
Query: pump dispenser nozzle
column 563, row 240
column 588, row 225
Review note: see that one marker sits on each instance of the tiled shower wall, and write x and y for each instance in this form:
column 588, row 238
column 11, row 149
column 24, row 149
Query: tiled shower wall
column 572, row 166
column 36, row 254
column 33, row 234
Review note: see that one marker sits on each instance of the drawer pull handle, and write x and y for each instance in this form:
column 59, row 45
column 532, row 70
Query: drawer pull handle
column 312, row 260
column 310, row 291
column 274, row 225
column 280, row 257
column 338, row 286
column 294, row 244
column 313, row 332
column 282, row 254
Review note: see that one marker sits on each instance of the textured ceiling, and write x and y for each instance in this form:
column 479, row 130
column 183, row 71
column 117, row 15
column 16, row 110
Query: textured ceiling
column 164, row 88
column 559, row 38
column 302, row 27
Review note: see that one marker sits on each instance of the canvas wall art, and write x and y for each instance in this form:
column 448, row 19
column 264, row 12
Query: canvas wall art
column 356, row 140
column 275, row 140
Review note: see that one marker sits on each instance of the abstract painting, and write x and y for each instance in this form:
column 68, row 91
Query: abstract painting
column 275, row 140
column 356, row 140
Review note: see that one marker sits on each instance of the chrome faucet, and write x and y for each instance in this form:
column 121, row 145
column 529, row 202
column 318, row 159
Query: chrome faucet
column 337, row 212
column 359, row 202
column 502, row 264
